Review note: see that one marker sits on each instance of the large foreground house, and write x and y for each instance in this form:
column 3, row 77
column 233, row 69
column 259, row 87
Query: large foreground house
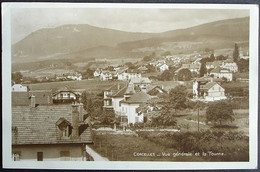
column 47, row 132
column 208, row 89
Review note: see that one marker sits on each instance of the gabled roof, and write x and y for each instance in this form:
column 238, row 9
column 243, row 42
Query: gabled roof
column 120, row 93
column 220, row 70
column 139, row 97
column 150, row 89
column 38, row 125
column 61, row 120
column 208, row 85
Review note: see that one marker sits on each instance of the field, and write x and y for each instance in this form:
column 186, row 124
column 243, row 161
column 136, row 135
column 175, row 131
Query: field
column 189, row 122
column 94, row 85
column 134, row 148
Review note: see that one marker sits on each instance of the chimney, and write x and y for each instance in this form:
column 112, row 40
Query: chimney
column 75, row 121
column 118, row 86
column 211, row 79
column 32, row 101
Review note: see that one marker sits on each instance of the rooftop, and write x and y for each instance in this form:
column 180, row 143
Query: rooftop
column 139, row 97
column 38, row 125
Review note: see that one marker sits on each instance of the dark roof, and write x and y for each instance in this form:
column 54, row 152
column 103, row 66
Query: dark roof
column 120, row 93
column 42, row 97
column 208, row 85
column 153, row 90
column 139, row 97
column 20, row 99
column 38, row 125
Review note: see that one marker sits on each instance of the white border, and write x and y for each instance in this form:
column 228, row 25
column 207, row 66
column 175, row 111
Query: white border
column 6, row 90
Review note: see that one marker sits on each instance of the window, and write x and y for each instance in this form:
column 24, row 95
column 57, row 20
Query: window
column 69, row 96
column 64, row 155
column 61, row 95
column 39, row 156
column 16, row 156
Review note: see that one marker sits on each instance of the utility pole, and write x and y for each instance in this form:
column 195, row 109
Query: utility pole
column 198, row 116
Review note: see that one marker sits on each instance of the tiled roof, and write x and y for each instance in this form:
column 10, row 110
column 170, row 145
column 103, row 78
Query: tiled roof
column 219, row 70
column 139, row 97
column 207, row 79
column 150, row 89
column 208, row 85
column 20, row 99
column 38, row 125
column 142, row 80
column 120, row 93
column 42, row 97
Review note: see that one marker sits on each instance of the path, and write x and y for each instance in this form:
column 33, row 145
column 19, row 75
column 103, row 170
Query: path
column 95, row 155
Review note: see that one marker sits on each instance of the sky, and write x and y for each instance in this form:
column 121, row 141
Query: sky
column 27, row 20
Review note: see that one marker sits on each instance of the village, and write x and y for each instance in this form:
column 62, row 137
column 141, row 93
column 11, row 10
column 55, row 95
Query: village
column 157, row 97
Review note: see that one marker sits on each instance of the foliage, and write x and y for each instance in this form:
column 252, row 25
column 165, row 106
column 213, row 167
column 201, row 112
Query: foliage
column 234, row 145
column 17, row 77
column 212, row 57
column 150, row 68
column 219, row 111
column 166, row 76
column 203, row 69
column 221, row 57
column 166, row 53
column 88, row 73
column 236, row 53
column 243, row 65
column 108, row 117
column 130, row 65
column 184, row 75
column 178, row 97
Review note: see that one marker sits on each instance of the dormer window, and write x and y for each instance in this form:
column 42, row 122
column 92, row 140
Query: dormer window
column 64, row 128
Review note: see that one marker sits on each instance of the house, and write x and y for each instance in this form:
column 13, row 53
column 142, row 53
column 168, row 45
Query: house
column 230, row 65
column 221, row 73
column 19, row 88
column 208, row 89
column 212, row 91
column 192, row 67
column 75, row 76
column 163, row 67
column 50, row 132
column 143, row 69
column 140, row 83
column 108, row 75
column 155, row 90
column 212, row 65
column 64, row 95
column 129, row 107
column 97, row 72
column 108, row 94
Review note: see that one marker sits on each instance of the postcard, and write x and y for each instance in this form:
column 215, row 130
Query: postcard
column 130, row 86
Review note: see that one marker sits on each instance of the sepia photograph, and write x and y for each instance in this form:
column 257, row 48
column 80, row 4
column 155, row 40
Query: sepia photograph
column 130, row 83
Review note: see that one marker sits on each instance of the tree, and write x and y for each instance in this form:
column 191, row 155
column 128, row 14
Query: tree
column 166, row 53
column 88, row 73
column 150, row 68
column 17, row 77
column 219, row 112
column 108, row 117
column 166, row 76
column 203, row 69
column 243, row 65
column 212, row 57
column 221, row 57
column 184, row 75
column 130, row 65
column 236, row 53
column 178, row 97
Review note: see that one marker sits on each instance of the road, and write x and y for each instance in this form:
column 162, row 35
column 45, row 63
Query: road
column 95, row 155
